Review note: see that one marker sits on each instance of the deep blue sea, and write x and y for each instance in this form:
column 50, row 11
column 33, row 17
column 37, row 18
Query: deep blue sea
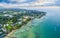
column 45, row 27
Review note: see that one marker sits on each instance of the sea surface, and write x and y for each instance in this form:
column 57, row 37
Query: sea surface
column 46, row 27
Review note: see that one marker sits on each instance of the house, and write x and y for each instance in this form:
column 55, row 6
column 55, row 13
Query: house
column 1, row 31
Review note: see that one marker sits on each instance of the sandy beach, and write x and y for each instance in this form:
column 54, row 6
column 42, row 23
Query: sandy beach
column 9, row 35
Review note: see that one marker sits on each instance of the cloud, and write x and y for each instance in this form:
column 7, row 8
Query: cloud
column 19, row 3
column 5, row 5
column 44, row 2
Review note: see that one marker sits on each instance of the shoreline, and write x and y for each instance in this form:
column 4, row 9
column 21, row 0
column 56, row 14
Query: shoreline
column 18, row 20
column 9, row 35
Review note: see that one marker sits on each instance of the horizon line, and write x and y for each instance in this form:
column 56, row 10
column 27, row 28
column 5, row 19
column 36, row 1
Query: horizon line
column 34, row 6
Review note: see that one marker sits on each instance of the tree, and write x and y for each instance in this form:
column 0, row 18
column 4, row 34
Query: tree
column 9, row 27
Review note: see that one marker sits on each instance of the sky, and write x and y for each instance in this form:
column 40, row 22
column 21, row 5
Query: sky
column 19, row 3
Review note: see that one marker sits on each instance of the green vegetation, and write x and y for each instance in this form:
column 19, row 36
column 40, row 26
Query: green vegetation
column 14, row 19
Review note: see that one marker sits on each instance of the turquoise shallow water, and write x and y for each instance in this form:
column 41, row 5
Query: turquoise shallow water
column 46, row 27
